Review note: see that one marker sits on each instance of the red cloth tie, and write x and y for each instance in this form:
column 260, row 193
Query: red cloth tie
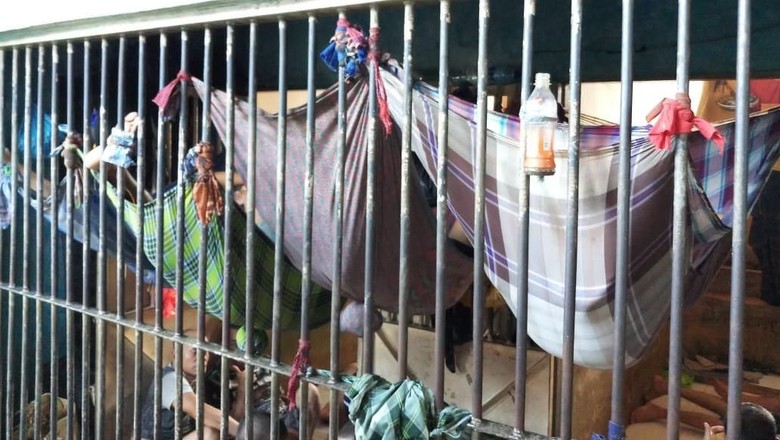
column 381, row 94
column 169, row 302
column 676, row 117
column 164, row 95
column 299, row 366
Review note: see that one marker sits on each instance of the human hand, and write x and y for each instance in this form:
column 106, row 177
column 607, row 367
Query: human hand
column 716, row 432
column 240, row 376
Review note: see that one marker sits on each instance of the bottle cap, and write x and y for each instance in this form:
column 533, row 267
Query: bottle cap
column 542, row 80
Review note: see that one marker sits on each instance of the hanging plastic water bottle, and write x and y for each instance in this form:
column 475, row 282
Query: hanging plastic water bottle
column 540, row 117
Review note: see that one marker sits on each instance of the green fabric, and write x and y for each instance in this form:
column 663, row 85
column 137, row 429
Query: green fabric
column 404, row 410
column 216, row 285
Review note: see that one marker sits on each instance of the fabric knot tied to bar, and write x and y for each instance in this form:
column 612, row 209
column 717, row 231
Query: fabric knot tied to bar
column 676, row 117
column 163, row 97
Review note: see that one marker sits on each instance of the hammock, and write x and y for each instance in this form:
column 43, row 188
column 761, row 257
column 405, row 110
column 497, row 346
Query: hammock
column 289, row 318
column 422, row 254
column 710, row 211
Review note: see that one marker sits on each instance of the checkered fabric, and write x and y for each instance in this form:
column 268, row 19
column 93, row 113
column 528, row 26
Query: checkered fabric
column 404, row 410
column 216, row 284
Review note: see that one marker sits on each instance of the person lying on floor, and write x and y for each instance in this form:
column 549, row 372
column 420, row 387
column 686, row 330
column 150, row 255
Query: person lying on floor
column 756, row 418
column 212, row 416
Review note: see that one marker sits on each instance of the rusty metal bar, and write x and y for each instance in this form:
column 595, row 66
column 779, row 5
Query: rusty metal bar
column 228, row 246
column 120, row 236
column 23, row 370
column 39, row 252
column 740, row 232
column 441, row 200
column 138, row 391
column 54, row 370
column 679, row 231
column 406, row 151
column 69, row 261
column 86, row 288
column 251, row 180
column 618, row 417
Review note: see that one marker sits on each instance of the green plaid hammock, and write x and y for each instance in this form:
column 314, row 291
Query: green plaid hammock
column 216, row 284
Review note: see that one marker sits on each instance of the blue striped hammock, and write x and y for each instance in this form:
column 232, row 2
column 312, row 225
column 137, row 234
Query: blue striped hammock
column 710, row 212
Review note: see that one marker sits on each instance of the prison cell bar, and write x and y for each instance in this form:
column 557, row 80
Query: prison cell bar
column 69, row 261
column 228, row 234
column 308, row 201
column 251, row 180
column 521, row 329
column 39, row 252
column 478, row 306
column 205, row 137
column 441, row 203
column 740, row 232
column 10, row 357
column 3, row 358
column 102, row 282
column 120, row 238
column 618, row 416
column 180, row 183
column 85, row 255
column 158, row 207
column 54, row 167
column 139, row 239
column 679, row 229
column 281, row 159
column 368, row 286
column 25, row 234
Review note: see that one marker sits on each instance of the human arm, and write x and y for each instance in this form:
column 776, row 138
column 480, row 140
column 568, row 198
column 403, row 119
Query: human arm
column 212, row 417
column 237, row 412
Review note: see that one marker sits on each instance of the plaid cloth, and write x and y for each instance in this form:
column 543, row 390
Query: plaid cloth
column 710, row 211
column 404, row 410
column 216, row 285
column 422, row 254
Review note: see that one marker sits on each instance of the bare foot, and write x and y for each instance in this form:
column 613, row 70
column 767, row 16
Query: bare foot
column 648, row 413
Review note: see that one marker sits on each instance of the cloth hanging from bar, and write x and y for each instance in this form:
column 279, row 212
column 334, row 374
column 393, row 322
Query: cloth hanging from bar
column 710, row 209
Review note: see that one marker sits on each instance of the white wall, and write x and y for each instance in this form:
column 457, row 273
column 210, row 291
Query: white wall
column 603, row 99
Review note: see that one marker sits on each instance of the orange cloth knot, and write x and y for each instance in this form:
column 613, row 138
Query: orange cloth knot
column 676, row 117
column 206, row 191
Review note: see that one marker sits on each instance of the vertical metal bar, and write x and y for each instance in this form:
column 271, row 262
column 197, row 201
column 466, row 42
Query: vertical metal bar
column 181, row 182
column 86, row 288
column 25, row 235
column 102, row 253
column 739, row 235
column 338, row 237
column 521, row 330
column 229, row 145
column 69, row 262
column 679, row 230
column 102, row 280
column 3, row 358
column 205, row 129
column 281, row 156
column 618, row 418
column 441, row 198
column 11, row 356
column 120, row 243
column 406, row 151
column 54, row 162
column 158, row 210
column 572, row 222
column 479, row 211
column 39, row 251
column 368, row 286
column 250, row 212
column 138, row 391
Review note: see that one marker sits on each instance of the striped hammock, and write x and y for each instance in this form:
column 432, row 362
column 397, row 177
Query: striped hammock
column 710, row 198
column 216, row 284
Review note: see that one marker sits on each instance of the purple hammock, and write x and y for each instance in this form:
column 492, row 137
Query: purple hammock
column 710, row 198
column 422, row 249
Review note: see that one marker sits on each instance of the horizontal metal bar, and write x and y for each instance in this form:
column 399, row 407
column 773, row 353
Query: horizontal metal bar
column 169, row 335
column 214, row 12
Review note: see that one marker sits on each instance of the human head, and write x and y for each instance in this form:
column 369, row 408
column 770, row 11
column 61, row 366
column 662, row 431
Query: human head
column 189, row 359
column 261, row 427
column 757, row 423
